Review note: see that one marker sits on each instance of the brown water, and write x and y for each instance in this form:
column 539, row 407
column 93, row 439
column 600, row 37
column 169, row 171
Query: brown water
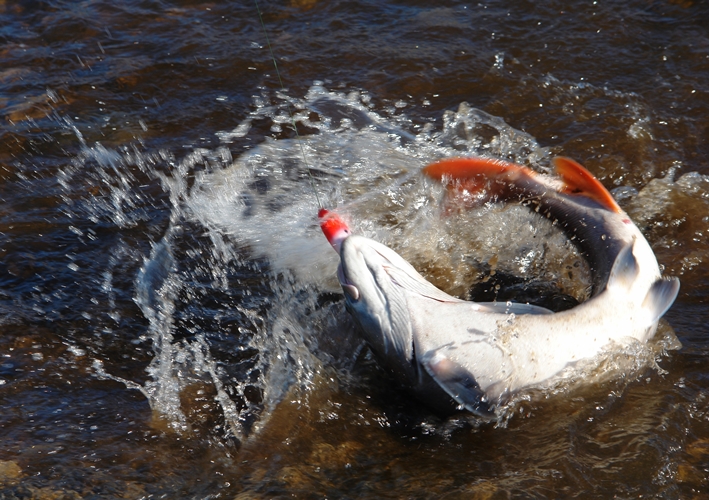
column 171, row 326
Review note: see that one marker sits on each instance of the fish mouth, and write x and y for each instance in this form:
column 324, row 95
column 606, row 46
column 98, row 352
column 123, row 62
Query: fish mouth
column 350, row 290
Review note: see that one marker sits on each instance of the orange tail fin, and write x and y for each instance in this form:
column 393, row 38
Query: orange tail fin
column 483, row 178
column 462, row 169
column 488, row 177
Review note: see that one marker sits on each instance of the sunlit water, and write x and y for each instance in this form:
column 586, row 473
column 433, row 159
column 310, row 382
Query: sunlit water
column 172, row 325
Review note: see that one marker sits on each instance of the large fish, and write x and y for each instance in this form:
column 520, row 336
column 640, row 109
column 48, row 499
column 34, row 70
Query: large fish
column 459, row 354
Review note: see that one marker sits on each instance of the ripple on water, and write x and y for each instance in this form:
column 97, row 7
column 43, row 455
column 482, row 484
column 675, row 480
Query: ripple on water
column 171, row 321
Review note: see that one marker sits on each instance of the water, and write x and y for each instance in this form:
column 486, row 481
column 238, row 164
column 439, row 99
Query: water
column 172, row 325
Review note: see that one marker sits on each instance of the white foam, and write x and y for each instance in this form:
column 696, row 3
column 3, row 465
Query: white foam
column 261, row 207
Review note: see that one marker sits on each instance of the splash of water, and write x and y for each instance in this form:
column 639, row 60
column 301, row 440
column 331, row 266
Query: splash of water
column 238, row 286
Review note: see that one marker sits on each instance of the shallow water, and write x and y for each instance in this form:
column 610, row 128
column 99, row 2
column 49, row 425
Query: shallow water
column 171, row 322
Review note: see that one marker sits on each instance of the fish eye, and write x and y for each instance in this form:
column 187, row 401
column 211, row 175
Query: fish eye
column 351, row 291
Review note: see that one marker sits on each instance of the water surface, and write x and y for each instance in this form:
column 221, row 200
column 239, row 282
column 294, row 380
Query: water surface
column 171, row 322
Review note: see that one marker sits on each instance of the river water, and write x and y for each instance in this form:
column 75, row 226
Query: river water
column 171, row 323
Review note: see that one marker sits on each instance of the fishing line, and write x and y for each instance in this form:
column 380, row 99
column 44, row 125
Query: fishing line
column 283, row 88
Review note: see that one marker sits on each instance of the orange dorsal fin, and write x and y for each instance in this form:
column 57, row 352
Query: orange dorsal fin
column 578, row 180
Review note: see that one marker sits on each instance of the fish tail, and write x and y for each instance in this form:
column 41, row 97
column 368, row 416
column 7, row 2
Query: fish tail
column 475, row 181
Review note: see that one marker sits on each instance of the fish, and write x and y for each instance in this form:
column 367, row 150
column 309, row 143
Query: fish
column 575, row 201
column 458, row 355
column 334, row 228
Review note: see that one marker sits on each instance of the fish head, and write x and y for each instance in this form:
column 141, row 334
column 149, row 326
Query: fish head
column 387, row 297
column 334, row 228
column 375, row 300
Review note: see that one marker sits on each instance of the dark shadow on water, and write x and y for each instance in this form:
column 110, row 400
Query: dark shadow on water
column 503, row 287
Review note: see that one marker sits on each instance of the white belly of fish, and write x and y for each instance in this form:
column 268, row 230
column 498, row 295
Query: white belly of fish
column 507, row 352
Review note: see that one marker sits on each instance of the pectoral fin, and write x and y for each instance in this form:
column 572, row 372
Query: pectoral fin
column 625, row 269
column 458, row 383
column 661, row 296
